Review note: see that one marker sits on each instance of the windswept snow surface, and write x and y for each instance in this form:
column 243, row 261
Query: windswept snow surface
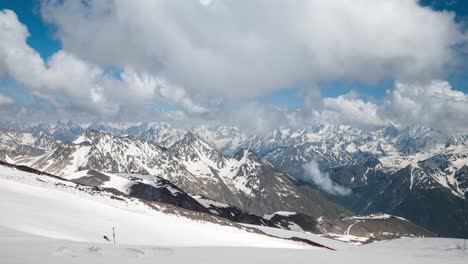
column 22, row 248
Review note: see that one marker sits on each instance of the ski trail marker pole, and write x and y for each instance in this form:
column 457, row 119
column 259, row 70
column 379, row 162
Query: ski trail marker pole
column 113, row 233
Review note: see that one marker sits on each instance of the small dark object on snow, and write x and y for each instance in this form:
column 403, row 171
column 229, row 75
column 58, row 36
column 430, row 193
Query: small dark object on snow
column 106, row 238
column 312, row 243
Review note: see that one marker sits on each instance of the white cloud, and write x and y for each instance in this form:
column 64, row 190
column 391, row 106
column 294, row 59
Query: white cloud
column 5, row 100
column 16, row 57
column 63, row 74
column 254, row 47
column 146, row 85
column 206, row 2
column 350, row 109
column 83, row 84
column 433, row 104
column 323, row 180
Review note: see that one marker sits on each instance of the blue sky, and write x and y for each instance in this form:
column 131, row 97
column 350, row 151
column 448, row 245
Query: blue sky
column 41, row 35
column 42, row 39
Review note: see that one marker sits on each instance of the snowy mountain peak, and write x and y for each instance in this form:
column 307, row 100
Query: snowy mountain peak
column 62, row 130
column 245, row 154
column 390, row 131
column 192, row 147
column 457, row 140
column 191, row 137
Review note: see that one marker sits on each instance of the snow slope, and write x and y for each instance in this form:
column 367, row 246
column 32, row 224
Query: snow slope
column 49, row 207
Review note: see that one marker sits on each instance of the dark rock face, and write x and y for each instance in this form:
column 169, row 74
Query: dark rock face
column 26, row 169
column 234, row 214
column 436, row 209
column 241, row 216
column 164, row 195
column 410, row 192
column 94, row 178
column 164, row 192
column 305, row 222
column 312, row 243
column 462, row 178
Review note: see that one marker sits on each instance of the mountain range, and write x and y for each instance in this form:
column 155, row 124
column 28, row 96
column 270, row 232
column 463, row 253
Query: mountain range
column 416, row 173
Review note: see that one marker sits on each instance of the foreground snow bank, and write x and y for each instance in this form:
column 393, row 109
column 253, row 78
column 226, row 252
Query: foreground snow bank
column 21, row 248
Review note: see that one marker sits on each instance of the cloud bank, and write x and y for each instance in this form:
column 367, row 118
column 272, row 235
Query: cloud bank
column 208, row 61
column 433, row 104
column 238, row 48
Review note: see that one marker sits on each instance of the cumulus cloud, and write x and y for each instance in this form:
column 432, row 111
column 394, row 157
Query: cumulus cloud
column 433, row 104
column 313, row 174
column 83, row 84
column 147, row 85
column 245, row 49
column 4, row 100
column 63, row 74
column 349, row 108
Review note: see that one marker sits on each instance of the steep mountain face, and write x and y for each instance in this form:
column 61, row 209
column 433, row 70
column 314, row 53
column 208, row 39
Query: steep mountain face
column 105, row 152
column 413, row 195
column 13, row 144
column 202, row 160
column 161, row 133
column 274, row 190
column 64, row 131
column 430, row 192
column 461, row 177
column 248, row 181
column 225, row 139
